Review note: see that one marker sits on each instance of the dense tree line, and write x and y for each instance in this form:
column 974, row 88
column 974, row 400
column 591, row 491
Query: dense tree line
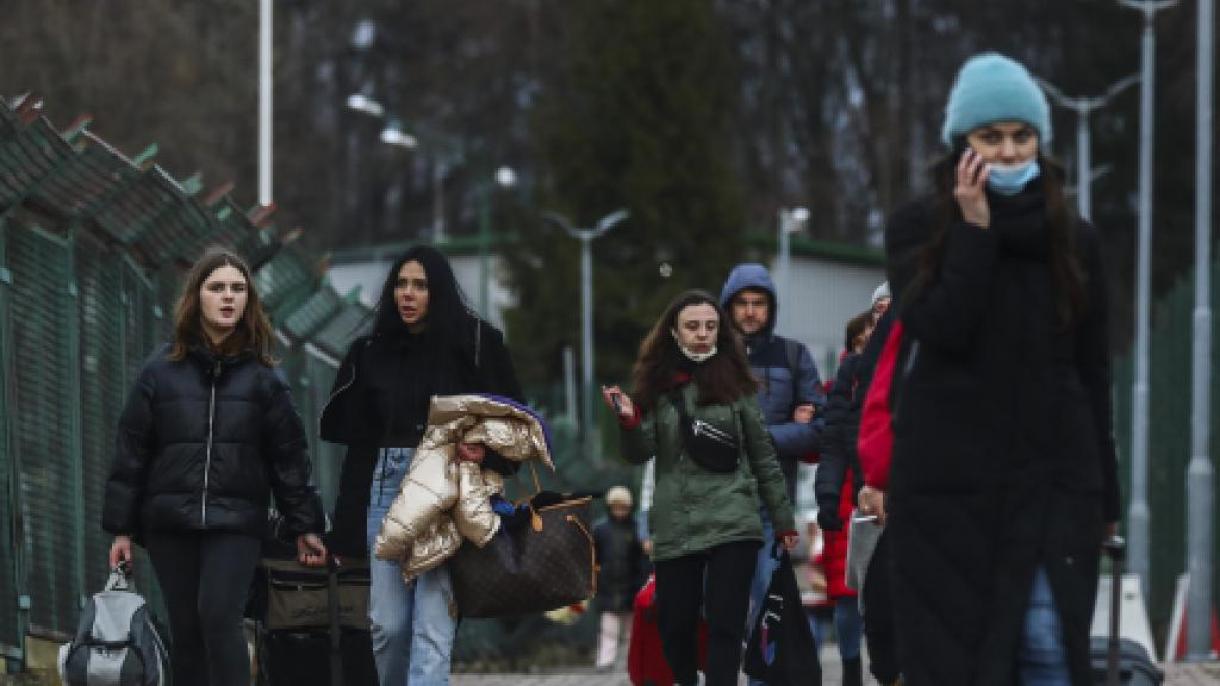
column 702, row 117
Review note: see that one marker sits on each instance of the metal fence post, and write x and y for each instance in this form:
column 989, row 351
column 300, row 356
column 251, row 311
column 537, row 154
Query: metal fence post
column 72, row 353
column 10, row 537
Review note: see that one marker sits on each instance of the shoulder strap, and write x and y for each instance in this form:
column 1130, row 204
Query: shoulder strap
column 793, row 350
column 679, row 402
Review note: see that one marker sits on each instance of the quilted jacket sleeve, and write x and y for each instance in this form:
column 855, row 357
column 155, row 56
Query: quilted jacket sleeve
column 765, row 465
column 429, row 489
column 1093, row 361
column 287, row 452
column 134, row 443
column 946, row 312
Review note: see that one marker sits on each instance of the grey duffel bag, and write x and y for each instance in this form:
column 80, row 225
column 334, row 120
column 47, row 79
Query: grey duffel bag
column 116, row 642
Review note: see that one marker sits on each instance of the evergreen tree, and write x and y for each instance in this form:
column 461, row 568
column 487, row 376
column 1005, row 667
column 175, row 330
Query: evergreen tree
column 637, row 114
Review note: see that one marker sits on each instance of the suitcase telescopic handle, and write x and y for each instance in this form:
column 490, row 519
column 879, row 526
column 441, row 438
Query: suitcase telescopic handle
column 1115, row 548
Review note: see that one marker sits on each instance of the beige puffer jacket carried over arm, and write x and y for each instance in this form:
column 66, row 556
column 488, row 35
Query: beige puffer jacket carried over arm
column 443, row 500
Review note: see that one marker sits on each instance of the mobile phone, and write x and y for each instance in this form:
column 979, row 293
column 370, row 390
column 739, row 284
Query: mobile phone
column 616, row 401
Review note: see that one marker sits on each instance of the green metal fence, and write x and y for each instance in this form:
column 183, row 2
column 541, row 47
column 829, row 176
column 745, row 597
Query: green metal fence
column 1168, row 439
column 92, row 249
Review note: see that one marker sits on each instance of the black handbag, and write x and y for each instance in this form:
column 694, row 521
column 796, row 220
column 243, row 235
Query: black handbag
column 709, row 446
column 781, row 650
column 542, row 563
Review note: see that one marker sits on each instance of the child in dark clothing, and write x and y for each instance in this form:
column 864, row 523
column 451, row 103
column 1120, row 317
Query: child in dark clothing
column 621, row 560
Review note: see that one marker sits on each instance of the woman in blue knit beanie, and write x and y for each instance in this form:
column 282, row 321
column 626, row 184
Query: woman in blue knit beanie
column 1004, row 480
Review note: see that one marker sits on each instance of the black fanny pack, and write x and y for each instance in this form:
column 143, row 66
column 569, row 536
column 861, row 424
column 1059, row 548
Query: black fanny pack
column 711, row 447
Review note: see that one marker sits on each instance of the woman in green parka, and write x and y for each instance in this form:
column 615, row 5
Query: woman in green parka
column 704, row 519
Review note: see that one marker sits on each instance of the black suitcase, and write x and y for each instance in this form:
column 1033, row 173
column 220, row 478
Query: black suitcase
column 1118, row 661
column 312, row 624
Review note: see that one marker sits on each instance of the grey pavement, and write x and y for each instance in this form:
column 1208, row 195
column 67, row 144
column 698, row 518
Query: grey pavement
column 1206, row 674
column 831, row 676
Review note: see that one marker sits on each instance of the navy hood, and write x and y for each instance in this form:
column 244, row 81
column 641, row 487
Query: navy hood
column 751, row 275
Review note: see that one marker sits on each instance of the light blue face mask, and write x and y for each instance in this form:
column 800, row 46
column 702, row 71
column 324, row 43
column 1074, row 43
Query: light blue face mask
column 1010, row 179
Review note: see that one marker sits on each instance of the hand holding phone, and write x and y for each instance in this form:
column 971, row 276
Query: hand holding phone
column 618, row 401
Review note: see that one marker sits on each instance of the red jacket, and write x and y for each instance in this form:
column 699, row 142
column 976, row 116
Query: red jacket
column 833, row 558
column 876, row 440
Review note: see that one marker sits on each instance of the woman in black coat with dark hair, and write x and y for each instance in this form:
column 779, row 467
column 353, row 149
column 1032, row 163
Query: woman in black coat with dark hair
column 425, row 342
column 1004, row 479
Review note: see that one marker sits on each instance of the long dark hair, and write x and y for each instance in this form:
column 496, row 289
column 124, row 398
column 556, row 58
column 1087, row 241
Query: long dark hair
column 721, row 380
column 1069, row 279
column 252, row 332
column 447, row 317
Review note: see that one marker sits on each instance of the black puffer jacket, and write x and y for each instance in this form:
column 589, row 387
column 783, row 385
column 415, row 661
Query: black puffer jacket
column 203, row 443
column 839, row 443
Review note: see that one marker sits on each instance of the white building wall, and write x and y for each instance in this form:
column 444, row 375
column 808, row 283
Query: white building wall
column 821, row 297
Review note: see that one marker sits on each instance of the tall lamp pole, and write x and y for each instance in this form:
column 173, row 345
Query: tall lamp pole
column 264, row 102
column 1138, row 515
column 586, row 238
column 790, row 220
column 1084, row 107
column 505, row 177
column 1199, row 476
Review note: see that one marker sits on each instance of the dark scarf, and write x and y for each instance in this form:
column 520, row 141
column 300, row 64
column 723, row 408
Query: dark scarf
column 1021, row 223
column 412, row 368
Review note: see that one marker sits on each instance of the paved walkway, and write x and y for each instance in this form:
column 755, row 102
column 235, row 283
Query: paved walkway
column 831, row 676
column 1176, row 675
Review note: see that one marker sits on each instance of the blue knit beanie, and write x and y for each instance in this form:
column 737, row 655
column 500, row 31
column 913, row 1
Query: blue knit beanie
column 989, row 88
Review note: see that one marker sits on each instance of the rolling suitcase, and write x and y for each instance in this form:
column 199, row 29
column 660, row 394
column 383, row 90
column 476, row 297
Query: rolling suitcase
column 1118, row 661
column 313, row 625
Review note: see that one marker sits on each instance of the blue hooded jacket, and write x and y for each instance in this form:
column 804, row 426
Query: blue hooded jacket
column 784, row 385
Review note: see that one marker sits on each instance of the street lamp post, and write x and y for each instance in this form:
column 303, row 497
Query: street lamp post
column 1138, row 515
column 505, row 177
column 264, row 102
column 1084, row 107
column 790, row 221
column 1199, row 477
column 586, row 238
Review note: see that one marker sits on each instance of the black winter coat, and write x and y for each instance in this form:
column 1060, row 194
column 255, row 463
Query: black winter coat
column 380, row 399
column 839, row 443
column 621, row 564
column 202, row 444
column 1004, row 453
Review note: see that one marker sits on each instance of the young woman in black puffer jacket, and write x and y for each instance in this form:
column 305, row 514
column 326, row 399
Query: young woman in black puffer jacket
column 208, row 435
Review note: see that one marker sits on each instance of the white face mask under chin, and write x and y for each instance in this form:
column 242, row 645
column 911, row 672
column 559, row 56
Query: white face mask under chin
column 691, row 354
column 697, row 357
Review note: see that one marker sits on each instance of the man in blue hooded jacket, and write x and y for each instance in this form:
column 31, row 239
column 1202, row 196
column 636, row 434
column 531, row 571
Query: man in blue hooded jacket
column 789, row 380
column 784, row 367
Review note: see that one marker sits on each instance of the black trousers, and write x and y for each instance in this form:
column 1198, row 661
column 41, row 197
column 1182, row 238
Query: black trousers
column 879, row 615
column 719, row 580
column 205, row 577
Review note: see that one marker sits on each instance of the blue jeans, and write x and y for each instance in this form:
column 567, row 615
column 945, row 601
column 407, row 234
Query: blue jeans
column 1043, row 659
column 413, row 625
column 849, row 627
